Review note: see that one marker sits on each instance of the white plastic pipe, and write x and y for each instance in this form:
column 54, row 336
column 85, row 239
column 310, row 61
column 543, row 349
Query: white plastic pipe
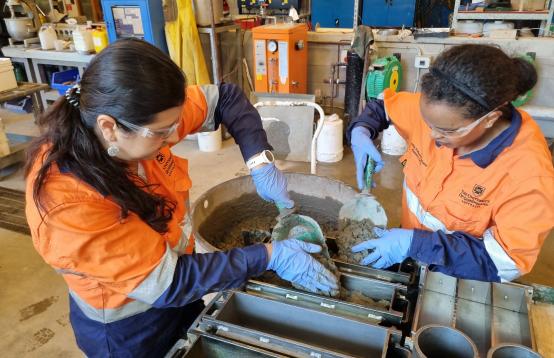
column 313, row 156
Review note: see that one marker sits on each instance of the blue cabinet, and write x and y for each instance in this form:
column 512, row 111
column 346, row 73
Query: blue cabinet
column 377, row 13
column 141, row 19
column 332, row 13
column 390, row 13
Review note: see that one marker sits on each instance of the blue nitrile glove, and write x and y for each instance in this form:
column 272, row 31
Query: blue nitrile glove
column 362, row 147
column 390, row 248
column 271, row 185
column 292, row 261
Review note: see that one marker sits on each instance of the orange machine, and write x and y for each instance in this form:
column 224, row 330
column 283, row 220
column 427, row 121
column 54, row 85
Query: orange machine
column 281, row 58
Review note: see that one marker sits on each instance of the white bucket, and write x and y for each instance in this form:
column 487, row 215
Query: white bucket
column 392, row 143
column 329, row 142
column 209, row 141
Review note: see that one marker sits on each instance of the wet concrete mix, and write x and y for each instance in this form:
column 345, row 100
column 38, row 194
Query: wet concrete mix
column 239, row 223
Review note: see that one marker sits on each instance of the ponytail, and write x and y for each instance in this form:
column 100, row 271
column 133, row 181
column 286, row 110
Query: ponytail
column 526, row 74
column 110, row 86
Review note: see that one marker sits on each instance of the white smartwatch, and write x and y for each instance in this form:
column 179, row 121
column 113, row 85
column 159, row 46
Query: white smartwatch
column 265, row 157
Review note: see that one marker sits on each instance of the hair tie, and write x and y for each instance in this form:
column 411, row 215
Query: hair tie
column 73, row 95
column 465, row 90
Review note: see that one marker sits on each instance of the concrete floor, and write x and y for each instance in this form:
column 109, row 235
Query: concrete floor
column 34, row 304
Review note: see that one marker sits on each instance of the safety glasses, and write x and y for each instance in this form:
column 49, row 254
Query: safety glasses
column 462, row 131
column 151, row 133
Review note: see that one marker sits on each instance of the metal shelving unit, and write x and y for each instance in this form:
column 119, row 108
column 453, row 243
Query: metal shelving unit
column 545, row 16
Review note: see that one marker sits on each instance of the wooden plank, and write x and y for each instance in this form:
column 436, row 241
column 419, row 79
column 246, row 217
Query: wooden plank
column 543, row 328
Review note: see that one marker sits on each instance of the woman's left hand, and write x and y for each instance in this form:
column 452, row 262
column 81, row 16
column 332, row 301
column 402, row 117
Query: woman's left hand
column 271, row 185
column 391, row 247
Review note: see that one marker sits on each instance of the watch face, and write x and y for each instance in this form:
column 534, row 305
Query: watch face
column 269, row 156
column 272, row 46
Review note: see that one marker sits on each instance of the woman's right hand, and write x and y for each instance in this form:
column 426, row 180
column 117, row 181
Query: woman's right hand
column 292, row 261
column 363, row 147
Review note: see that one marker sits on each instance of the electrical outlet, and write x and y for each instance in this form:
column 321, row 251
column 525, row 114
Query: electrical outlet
column 422, row 62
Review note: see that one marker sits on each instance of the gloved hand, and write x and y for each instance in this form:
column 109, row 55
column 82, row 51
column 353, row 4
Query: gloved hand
column 390, row 248
column 271, row 185
column 363, row 147
column 292, row 261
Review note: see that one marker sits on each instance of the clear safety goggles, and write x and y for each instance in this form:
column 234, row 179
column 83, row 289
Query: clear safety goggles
column 462, row 131
column 163, row 133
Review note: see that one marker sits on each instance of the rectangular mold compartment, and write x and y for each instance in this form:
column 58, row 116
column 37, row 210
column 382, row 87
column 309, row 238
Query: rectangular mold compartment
column 302, row 326
column 207, row 345
column 377, row 290
column 325, row 304
column 368, row 272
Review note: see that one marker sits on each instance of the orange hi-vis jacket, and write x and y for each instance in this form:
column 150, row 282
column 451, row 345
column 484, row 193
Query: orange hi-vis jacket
column 484, row 215
column 122, row 274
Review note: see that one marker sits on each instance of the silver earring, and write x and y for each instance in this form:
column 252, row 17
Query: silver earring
column 113, row 150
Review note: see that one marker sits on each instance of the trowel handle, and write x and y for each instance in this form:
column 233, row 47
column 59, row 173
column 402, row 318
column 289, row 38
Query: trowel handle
column 368, row 174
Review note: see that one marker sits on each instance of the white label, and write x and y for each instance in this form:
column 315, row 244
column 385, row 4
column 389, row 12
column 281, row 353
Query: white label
column 326, row 305
column 223, row 328
column 260, row 58
column 283, row 61
column 264, row 340
column 375, row 317
column 292, row 297
column 315, row 354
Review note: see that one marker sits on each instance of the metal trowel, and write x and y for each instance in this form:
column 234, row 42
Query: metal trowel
column 365, row 205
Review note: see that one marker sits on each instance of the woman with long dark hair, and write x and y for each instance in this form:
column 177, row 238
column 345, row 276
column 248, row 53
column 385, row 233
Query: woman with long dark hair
column 479, row 182
column 108, row 203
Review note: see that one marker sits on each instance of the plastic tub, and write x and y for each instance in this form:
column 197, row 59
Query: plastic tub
column 329, row 142
column 392, row 143
column 209, row 141
column 62, row 81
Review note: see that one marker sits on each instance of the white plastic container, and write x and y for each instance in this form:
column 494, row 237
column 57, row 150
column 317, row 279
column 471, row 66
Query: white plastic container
column 82, row 38
column 7, row 76
column 496, row 25
column 47, row 36
column 329, row 142
column 469, row 27
column 392, row 143
column 209, row 141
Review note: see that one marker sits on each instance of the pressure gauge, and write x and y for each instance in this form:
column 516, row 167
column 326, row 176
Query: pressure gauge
column 272, row 46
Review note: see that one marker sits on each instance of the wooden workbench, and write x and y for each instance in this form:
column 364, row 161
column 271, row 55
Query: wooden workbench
column 18, row 143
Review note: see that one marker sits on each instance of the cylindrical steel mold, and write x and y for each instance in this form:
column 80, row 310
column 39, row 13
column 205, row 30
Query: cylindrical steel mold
column 436, row 341
column 510, row 350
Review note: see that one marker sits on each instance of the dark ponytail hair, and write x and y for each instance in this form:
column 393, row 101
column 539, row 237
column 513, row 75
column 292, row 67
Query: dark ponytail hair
column 478, row 79
column 130, row 80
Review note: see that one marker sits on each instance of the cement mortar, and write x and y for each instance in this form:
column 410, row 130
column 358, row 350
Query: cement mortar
column 225, row 226
column 248, row 220
column 350, row 234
